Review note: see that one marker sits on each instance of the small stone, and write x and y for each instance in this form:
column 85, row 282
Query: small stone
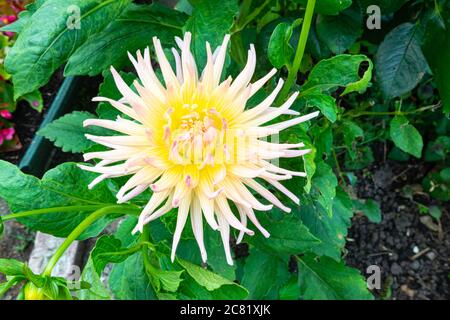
column 396, row 269
column 431, row 255
column 416, row 249
column 415, row 265
column 429, row 223
column 409, row 292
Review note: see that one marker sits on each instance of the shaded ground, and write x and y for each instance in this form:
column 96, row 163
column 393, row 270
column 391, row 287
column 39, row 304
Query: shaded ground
column 28, row 120
column 411, row 249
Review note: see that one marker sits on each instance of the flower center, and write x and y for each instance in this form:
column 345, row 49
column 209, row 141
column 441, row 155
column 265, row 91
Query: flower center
column 194, row 134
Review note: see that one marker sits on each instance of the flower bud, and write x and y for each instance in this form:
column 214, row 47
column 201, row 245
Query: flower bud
column 32, row 292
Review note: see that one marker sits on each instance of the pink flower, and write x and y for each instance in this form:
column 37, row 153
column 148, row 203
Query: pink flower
column 7, row 20
column 9, row 34
column 5, row 114
column 11, row 19
column 7, row 133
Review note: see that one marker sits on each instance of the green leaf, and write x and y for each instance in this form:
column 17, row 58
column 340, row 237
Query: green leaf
column 345, row 74
column 35, row 100
column 323, row 140
column 438, row 150
column 65, row 185
column 324, row 186
column 48, row 39
column 437, row 184
column 330, row 230
column 291, row 290
column 165, row 279
column 294, row 135
column 5, row 286
column 131, row 31
column 405, row 136
column 280, row 50
column 329, row 7
column 340, row 32
column 351, row 132
column 398, row 155
column 109, row 89
column 363, row 157
column 216, row 255
column 7, row 96
column 124, row 231
column 97, row 291
column 166, row 296
column 325, row 103
column 68, row 132
column 2, row 227
column 12, row 267
column 435, row 212
column 216, row 286
column 211, row 23
column 324, row 279
column 204, row 277
column 129, row 281
column 370, row 208
column 386, row 6
column 287, row 236
column 108, row 249
column 437, row 35
column 400, row 63
column 264, row 275
column 191, row 290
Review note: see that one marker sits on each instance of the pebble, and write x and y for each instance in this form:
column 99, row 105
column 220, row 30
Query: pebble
column 431, row 255
column 396, row 269
column 415, row 265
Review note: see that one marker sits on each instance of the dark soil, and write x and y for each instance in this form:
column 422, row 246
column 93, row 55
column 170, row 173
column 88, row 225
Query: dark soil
column 414, row 259
column 27, row 120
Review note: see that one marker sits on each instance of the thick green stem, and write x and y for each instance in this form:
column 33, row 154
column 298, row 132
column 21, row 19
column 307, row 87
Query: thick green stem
column 293, row 70
column 50, row 210
column 79, row 230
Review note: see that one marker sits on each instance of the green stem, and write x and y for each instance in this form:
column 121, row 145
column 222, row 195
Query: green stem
column 79, row 230
column 245, row 19
column 145, row 237
column 244, row 10
column 50, row 210
column 128, row 251
column 237, row 49
column 393, row 113
column 338, row 167
column 293, row 70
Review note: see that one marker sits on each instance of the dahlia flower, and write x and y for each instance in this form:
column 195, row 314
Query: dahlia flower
column 192, row 142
